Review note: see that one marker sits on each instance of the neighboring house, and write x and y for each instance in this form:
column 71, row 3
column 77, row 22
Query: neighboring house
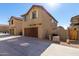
column 73, row 30
column 37, row 22
column 4, row 28
column 60, row 31
column 15, row 25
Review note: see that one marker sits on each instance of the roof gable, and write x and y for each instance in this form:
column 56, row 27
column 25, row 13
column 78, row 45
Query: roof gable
column 42, row 9
column 75, row 18
column 16, row 18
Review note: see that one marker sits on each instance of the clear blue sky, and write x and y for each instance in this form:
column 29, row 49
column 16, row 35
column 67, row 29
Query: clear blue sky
column 62, row 12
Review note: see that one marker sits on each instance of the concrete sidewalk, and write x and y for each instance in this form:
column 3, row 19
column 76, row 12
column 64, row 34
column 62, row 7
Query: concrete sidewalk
column 8, row 37
column 60, row 50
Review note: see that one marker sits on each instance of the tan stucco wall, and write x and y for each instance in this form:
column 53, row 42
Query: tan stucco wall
column 17, row 26
column 46, row 22
column 48, row 25
column 61, row 32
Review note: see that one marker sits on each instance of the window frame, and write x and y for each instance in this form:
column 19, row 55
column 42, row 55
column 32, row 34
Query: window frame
column 34, row 14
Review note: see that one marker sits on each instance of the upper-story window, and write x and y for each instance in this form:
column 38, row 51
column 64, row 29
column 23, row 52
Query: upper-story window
column 12, row 22
column 34, row 15
column 25, row 17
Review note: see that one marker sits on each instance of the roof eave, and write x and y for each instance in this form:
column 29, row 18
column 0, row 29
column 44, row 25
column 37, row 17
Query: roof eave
column 13, row 17
column 10, row 19
column 43, row 9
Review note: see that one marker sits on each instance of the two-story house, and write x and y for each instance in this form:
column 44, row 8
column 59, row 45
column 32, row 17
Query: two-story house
column 37, row 22
column 74, row 28
column 15, row 25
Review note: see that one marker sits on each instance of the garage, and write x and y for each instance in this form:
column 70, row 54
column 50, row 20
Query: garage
column 31, row 32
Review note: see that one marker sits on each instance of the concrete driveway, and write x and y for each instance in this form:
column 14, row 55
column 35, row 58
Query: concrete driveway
column 25, row 46
column 22, row 46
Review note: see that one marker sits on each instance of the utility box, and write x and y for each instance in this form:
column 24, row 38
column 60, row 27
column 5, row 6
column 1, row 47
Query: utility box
column 68, row 41
column 56, row 39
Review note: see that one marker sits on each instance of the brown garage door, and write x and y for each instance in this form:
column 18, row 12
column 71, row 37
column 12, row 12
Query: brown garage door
column 31, row 32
